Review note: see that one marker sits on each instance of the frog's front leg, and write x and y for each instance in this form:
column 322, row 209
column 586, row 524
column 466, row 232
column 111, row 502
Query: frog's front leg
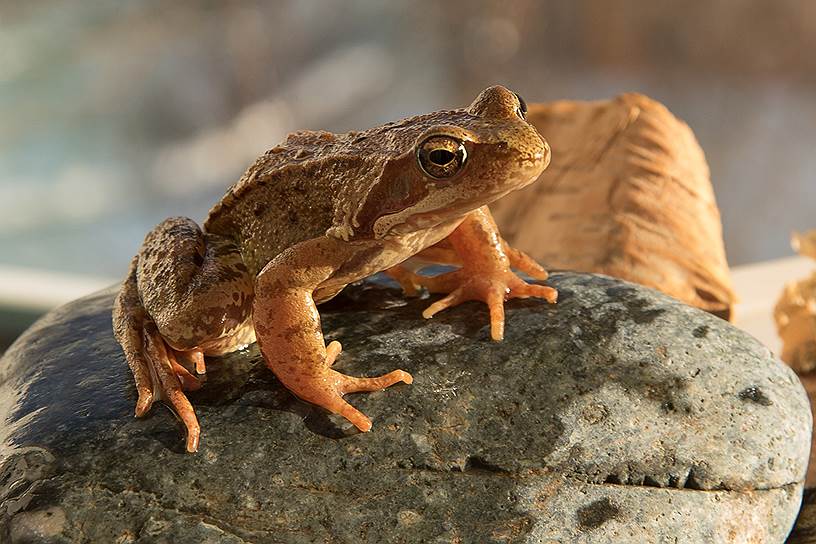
column 287, row 326
column 485, row 261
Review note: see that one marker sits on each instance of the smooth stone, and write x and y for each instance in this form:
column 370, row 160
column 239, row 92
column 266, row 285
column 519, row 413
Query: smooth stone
column 617, row 415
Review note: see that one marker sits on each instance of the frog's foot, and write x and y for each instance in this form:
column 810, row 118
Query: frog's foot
column 409, row 281
column 325, row 387
column 169, row 381
column 493, row 287
column 412, row 283
column 187, row 381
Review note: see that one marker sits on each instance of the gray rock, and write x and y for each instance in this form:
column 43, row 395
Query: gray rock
column 617, row 415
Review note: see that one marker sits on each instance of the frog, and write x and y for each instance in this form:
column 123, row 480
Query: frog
column 309, row 217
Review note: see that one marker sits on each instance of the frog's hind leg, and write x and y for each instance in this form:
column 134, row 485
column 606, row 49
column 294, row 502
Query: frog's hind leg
column 187, row 293
column 128, row 322
column 157, row 373
column 196, row 288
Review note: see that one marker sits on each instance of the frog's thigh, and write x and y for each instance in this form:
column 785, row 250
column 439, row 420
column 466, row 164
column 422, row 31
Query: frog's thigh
column 288, row 329
column 195, row 286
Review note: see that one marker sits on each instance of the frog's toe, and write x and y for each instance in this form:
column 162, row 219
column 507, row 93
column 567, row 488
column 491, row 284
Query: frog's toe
column 352, row 384
column 332, row 351
column 138, row 361
column 535, row 290
column 192, row 359
column 456, row 297
column 145, row 402
column 339, row 406
column 167, row 384
column 495, row 303
column 144, row 386
column 521, row 261
column 197, row 358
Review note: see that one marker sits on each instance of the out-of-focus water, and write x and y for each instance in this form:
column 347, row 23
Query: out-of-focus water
column 115, row 116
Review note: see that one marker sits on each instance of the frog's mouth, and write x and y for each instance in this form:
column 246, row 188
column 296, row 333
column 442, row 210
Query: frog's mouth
column 409, row 221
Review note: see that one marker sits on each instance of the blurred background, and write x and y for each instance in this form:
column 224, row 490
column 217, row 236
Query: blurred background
column 116, row 115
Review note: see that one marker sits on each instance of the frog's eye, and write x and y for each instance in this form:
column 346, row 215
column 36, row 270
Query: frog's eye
column 441, row 156
column 521, row 111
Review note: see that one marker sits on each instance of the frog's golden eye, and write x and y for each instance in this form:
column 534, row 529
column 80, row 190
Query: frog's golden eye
column 521, row 111
column 441, row 156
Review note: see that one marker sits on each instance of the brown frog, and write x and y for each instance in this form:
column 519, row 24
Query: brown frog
column 312, row 215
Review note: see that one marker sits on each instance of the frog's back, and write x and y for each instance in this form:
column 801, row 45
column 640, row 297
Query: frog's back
column 295, row 191
column 284, row 198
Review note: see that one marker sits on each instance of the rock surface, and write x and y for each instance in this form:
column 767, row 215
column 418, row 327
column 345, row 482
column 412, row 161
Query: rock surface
column 617, row 415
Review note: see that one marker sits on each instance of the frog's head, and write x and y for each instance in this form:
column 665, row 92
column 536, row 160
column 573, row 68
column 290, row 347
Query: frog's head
column 458, row 161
